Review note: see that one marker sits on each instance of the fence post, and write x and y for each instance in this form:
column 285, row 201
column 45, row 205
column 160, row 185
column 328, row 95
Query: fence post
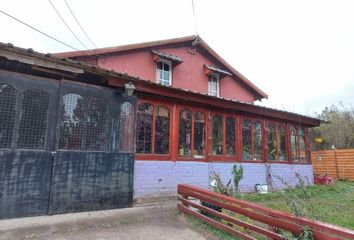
column 336, row 162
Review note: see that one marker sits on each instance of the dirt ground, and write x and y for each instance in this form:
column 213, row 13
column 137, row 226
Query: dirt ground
column 145, row 221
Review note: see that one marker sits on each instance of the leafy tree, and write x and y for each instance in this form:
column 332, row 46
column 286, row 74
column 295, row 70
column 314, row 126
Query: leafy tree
column 338, row 129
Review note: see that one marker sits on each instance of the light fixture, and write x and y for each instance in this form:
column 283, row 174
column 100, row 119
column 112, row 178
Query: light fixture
column 129, row 89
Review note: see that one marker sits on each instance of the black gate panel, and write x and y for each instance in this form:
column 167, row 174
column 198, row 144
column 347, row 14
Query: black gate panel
column 28, row 115
column 25, row 182
column 91, row 171
column 64, row 146
column 91, row 181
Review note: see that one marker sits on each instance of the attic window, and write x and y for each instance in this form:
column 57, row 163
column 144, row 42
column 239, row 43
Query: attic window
column 213, row 85
column 164, row 72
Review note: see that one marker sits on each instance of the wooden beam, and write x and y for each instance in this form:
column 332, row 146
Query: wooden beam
column 39, row 62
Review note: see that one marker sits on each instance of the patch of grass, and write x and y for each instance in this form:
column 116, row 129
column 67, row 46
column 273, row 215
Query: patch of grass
column 332, row 204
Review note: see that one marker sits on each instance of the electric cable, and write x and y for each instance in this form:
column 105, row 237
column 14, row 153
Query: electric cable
column 62, row 19
column 78, row 23
column 194, row 19
column 43, row 33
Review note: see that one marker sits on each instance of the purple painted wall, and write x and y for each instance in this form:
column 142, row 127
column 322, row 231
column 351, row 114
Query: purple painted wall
column 160, row 178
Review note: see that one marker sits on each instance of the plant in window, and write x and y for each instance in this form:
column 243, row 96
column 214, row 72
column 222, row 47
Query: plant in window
column 199, row 134
column 230, row 136
column 185, row 133
column 217, row 135
column 272, row 144
column 162, row 130
column 144, row 128
column 294, row 144
column 246, row 139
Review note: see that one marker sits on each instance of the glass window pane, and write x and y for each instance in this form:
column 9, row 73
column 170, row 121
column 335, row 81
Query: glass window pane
column 271, row 137
column 8, row 97
column 166, row 76
column 185, row 131
column 144, row 128
column 199, row 134
column 218, row 145
column 33, row 123
column 213, row 85
column 282, row 143
column 159, row 65
column 302, row 147
column 246, row 139
column 230, row 136
column 162, row 130
column 257, row 137
column 294, row 145
column 166, row 67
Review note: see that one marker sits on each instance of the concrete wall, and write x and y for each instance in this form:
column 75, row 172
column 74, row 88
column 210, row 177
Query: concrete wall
column 160, row 178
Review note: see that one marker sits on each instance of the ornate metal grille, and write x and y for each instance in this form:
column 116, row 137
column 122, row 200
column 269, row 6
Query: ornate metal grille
column 71, row 122
column 33, row 123
column 97, row 125
column 7, row 114
column 84, row 123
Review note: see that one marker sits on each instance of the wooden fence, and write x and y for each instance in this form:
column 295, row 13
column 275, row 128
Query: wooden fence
column 336, row 163
column 248, row 220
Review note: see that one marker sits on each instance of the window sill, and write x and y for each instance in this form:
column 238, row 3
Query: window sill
column 153, row 157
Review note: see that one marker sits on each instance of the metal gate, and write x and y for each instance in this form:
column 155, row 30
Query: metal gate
column 64, row 146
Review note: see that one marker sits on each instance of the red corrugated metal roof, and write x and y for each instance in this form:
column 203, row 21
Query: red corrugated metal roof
column 154, row 88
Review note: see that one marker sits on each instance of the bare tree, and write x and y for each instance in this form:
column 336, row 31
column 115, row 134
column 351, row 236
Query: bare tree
column 339, row 129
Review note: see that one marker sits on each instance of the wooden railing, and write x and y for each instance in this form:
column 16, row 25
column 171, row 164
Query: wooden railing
column 335, row 163
column 248, row 220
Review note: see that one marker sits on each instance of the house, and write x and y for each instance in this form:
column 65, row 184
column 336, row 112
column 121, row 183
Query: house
column 209, row 125
column 73, row 138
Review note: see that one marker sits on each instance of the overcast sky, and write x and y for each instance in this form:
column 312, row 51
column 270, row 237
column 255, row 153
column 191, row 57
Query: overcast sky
column 301, row 53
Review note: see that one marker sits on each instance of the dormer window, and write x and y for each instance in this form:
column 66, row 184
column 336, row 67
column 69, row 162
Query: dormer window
column 213, row 85
column 164, row 72
column 214, row 75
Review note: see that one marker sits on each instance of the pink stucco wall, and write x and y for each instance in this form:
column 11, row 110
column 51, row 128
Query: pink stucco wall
column 188, row 75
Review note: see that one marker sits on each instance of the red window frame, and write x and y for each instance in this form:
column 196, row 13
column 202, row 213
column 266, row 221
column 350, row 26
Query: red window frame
column 252, row 120
column 153, row 155
column 224, row 157
column 306, row 146
column 276, row 124
column 193, row 110
column 290, row 127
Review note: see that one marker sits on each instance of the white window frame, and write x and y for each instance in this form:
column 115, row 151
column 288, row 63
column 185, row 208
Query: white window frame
column 214, row 85
column 164, row 81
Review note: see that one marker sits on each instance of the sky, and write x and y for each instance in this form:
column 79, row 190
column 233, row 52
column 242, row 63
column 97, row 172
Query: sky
column 301, row 53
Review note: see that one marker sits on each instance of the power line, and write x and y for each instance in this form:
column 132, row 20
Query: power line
column 77, row 21
column 194, row 19
column 35, row 29
column 62, row 19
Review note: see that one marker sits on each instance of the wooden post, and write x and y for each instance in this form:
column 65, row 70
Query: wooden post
column 336, row 162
